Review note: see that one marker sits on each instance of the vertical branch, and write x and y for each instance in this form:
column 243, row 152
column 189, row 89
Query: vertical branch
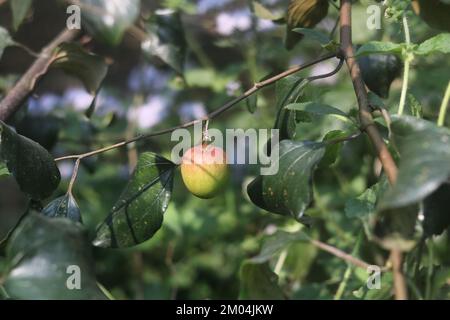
column 368, row 126
column 408, row 58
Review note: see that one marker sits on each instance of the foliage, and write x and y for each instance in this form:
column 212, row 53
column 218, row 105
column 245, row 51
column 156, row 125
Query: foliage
column 304, row 232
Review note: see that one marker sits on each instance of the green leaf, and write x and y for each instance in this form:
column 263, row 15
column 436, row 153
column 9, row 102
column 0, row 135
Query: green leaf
column 263, row 13
column 414, row 106
column 165, row 39
column 138, row 213
column 379, row 71
column 65, row 207
column 32, row 166
column 318, row 109
column 288, row 91
column 89, row 68
column 108, row 20
column 314, row 34
column 332, row 150
column 425, row 160
column 379, row 47
column 5, row 40
column 439, row 43
column 19, row 10
column 365, row 204
column 289, row 191
column 3, row 170
column 252, row 103
column 276, row 243
column 40, row 254
column 258, row 282
column 435, row 211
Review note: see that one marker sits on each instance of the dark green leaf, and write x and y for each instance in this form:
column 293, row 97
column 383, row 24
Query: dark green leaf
column 288, row 91
column 252, row 103
column 65, row 207
column 375, row 101
column 5, row 40
column 365, row 204
column 138, row 213
column 373, row 47
column 436, row 211
column 439, row 43
column 277, row 242
column 425, row 160
column 165, row 39
column 289, row 191
column 378, row 72
column 258, row 282
column 19, row 10
column 32, row 166
column 40, row 253
column 108, row 20
column 89, row 68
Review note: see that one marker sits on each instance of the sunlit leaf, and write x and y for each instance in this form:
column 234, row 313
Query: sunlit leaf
column 439, row 43
column 165, row 39
column 31, row 165
column 109, row 19
column 382, row 47
column 138, row 213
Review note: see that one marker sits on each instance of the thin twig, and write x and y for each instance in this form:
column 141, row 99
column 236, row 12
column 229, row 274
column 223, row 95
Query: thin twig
column 444, row 106
column 23, row 88
column 367, row 123
column 256, row 87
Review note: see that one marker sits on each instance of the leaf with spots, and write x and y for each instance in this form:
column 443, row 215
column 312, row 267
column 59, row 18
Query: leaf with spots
column 31, row 165
column 64, row 206
column 138, row 213
column 288, row 191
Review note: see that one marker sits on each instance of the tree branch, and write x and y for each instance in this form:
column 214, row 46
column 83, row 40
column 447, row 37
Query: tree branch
column 23, row 88
column 256, row 87
column 368, row 126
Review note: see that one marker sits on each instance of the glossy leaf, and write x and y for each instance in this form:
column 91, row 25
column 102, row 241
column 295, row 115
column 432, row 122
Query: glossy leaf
column 439, row 43
column 108, row 20
column 165, row 39
column 19, row 9
column 138, row 213
column 258, row 282
column 65, row 207
column 425, row 160
column 382, row 47
column 289, row 191
column 31, row 165
column 379, row 71
column 5, row 40
column 89, row 68
column 42, row 254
